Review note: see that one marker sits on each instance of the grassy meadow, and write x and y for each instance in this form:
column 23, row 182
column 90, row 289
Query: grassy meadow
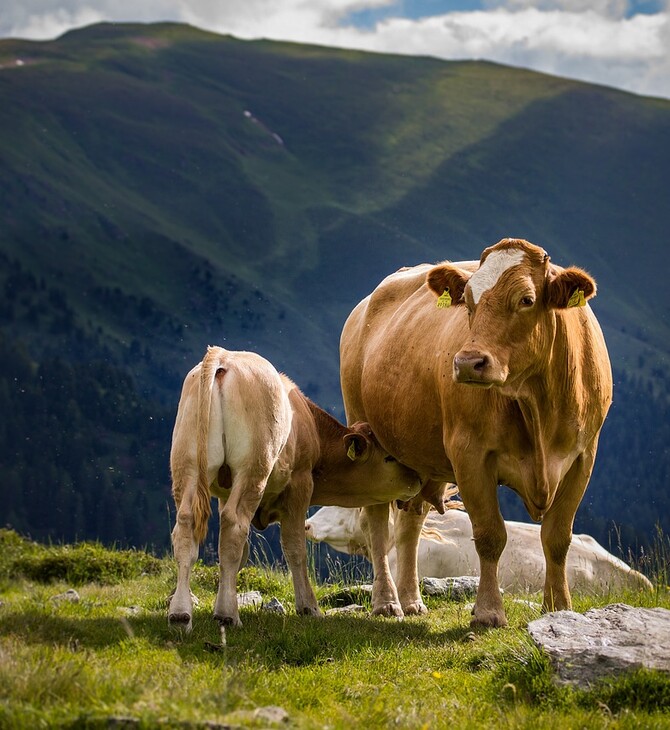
column 111, row 660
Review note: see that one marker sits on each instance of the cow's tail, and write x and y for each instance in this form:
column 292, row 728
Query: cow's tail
column 202, row 509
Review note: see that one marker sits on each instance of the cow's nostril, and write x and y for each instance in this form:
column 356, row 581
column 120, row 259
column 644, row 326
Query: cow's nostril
column 480, row 364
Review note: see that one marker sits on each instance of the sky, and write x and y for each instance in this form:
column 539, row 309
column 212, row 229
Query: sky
column 620, row 43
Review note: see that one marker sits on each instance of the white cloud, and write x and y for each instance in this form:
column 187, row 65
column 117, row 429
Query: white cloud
column 528, row 36
column 598, row 41
column 611, row 8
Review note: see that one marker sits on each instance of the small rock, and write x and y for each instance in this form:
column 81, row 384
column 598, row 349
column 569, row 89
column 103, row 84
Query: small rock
column 70, row 595
column 130, row 610
column 274, row 605
column 457, row 589
column 251, row 598
column 529, row 604
column 272, row 714
column 351, row 608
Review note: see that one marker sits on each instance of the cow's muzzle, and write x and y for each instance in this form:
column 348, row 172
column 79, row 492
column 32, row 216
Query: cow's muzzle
column 477, row 368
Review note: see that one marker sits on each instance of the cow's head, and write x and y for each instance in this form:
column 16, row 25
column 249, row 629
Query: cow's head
column 510, row 301
column 340, row 527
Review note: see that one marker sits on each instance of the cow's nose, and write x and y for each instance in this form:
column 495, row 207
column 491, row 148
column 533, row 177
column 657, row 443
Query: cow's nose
column 470, row 366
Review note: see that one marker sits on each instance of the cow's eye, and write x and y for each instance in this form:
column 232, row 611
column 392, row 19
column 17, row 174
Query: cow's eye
column 389, row 459
column 527, row 302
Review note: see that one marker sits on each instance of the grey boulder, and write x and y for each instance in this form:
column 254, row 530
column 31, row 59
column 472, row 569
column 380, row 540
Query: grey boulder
column 604, row 642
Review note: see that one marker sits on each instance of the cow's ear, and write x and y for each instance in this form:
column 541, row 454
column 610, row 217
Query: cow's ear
column 356, row 446
column 570, row 287
column 448, row 281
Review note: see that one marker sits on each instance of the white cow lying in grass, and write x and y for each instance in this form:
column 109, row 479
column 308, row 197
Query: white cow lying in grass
column 446, row 548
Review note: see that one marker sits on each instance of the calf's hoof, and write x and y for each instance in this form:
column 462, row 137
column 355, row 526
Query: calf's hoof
column 181, row 620
column 391, row 609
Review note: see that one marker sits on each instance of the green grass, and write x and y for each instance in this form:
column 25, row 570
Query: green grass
column 112, row 655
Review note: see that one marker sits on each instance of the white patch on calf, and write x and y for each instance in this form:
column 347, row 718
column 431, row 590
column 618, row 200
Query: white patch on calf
column 486, row 277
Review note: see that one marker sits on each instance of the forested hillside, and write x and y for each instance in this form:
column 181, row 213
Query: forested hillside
column 163, row 188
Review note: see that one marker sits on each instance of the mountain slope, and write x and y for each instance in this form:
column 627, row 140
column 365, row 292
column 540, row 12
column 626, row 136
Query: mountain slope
column 164, row 188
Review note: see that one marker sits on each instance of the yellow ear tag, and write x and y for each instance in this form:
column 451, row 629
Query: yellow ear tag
column 444, row 300
column 351, row 451
column 577, row 299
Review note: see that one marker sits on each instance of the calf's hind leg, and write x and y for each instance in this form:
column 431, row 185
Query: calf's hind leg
column 234, row 519
column 185, row 548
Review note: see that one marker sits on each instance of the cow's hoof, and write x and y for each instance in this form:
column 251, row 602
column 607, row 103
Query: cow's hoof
column 393, row 610
column 488, row 619
column 228, row 621
column 417, row 608
column 181, row 620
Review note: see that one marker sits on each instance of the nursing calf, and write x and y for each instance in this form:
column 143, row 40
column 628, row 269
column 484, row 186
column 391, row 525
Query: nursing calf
column 247, row 435
column 447, row 548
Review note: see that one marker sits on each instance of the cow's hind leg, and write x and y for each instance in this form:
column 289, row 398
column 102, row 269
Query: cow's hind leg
column 185, row 546
column 234, row 519
column 408, row 524
column 296, row 501
column 385, row 601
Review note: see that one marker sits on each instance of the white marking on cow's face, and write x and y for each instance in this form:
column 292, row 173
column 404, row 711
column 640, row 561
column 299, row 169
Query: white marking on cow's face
column 486, row 277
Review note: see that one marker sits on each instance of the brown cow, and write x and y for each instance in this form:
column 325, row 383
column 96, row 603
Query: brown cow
column 247, row 435
column 506, row 381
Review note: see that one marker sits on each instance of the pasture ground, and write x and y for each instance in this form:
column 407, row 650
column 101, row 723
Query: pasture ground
column 111, row 660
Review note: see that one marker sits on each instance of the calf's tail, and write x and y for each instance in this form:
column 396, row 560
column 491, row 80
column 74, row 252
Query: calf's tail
column 202, row 509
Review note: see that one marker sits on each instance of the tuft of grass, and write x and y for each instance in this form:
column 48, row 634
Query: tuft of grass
column 526, row 675
column 642, row 690
column 75, row 564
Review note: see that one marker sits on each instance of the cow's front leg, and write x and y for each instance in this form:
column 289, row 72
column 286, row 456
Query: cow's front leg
column 296, row 501
column 488, row 528
column 556, row 534
column 408, row 525
column 375, row 524
column 234, row 519
column 180, row 611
